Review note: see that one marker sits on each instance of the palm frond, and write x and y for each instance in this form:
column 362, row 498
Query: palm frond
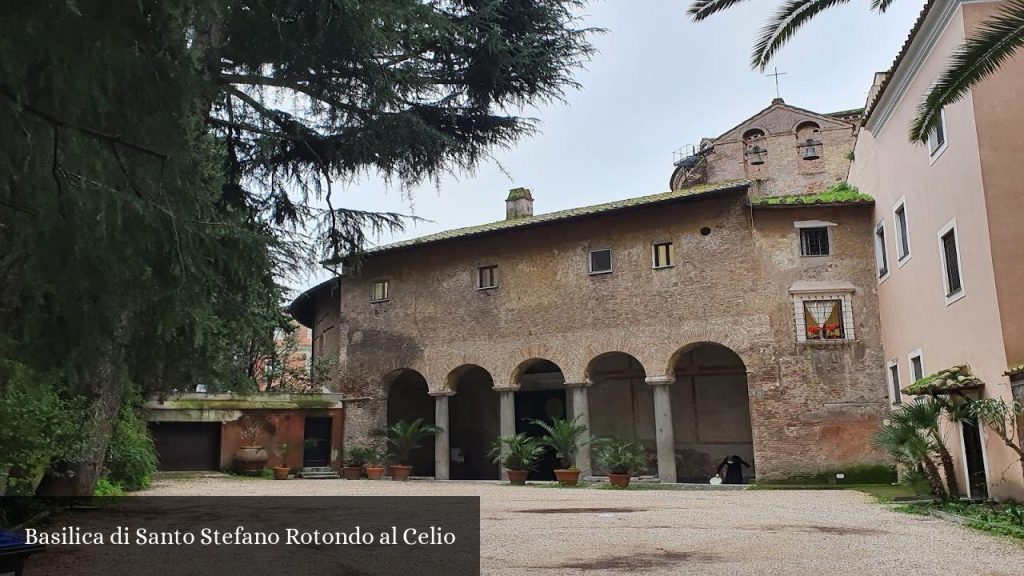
column 701, row 9
column 789, row 18
column 996, row 40
column 881, row 5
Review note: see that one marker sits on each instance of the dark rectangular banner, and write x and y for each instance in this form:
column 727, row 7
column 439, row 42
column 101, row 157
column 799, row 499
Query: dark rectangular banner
column 250, row 536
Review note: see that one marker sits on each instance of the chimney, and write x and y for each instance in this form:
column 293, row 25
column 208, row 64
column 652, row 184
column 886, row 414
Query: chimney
column 519, row 204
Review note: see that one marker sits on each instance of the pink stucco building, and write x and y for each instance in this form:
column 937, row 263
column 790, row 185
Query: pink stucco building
column 949, row 236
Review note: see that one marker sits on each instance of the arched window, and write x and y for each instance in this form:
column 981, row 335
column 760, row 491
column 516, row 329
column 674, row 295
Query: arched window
column 753, row 134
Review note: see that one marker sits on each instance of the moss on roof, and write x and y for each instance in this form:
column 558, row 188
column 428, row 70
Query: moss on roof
column 850, row 112
column 840, row 193
column 519, row 194
column 945, row 381
column 572, row 213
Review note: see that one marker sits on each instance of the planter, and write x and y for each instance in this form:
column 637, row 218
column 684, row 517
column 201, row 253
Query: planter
column 281, row 472
column 352, row 472
column 619, row 480
column 374, row 472
column 250, row 459
column 568, row 477
column 517, row 477
column 400, row 473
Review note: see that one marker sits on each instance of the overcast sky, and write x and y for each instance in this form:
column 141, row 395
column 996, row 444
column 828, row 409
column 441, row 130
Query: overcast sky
column 658, row 82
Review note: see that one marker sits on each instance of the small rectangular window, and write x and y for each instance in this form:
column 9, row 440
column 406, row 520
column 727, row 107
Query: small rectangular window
column 814, row 241
column 663, row 255
column 881, row 260
column 937, row 137
column 951, row 263
column 601, row 261
column 894, row 382
column 916, row 367
column 487, row 277
column 902, row 232
column 823, row 319
column 379, row 291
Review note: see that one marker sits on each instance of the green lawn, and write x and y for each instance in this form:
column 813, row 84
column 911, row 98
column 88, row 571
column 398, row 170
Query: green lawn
column 883, row 492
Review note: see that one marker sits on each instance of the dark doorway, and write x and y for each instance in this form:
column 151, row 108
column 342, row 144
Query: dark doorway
column 977, row 480
column 408, row 400
column 316, row 442
column 187, row 445
column 546, row 405
column 473, row 424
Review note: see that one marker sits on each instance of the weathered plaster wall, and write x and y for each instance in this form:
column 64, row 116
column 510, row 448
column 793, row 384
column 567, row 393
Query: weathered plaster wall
column 810, row 408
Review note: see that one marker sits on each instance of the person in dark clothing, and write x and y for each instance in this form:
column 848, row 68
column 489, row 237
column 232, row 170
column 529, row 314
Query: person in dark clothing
column 733, row 470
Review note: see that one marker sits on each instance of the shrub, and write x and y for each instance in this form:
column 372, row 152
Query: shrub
column 358, row 456
column 104, row 487
column 131, row 456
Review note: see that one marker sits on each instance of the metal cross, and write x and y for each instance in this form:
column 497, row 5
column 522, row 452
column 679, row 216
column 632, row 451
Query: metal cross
column 776, row 75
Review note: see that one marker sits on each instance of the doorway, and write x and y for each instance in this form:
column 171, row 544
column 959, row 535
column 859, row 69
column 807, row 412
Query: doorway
column 316, row 442
column 974, row 460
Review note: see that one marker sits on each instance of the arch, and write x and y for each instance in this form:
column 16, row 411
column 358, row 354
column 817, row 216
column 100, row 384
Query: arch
column 473, row 423
column 711, row 413
column 408, row 399
column 753, row 134
column 806, row 129
column 534, row 366
column 621, row 402
column 540, row 394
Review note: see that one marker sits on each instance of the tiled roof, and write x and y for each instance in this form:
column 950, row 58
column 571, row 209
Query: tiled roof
column 706, row 190
column 1015, row 370
column 918, row 24
column 945, row 381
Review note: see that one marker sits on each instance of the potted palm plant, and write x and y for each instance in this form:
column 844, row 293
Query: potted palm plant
column 404, row 437
column 621, row 459
column 518, row 455
column 356, row 458
column 562, row 436
column 374, row 464
column 282, row 450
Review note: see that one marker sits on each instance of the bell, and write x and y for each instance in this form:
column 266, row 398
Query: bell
column 811, row 149
column 756, row 155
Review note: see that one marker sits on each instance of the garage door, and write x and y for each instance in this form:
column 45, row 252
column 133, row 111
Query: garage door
column 187, row 445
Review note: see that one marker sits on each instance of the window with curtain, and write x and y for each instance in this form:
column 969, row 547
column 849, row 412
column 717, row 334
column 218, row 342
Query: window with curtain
column 823, row 319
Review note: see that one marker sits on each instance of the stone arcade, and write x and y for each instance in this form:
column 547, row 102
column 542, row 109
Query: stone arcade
column 735, row 314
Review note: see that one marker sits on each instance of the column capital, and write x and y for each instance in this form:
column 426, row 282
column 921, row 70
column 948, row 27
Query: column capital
column 660, row 380
column 504, row 389
column 439, row 393
column 582, row 384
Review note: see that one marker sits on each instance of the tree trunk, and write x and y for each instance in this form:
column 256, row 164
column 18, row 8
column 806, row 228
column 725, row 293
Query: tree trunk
column 934, row 480
column 948, row 470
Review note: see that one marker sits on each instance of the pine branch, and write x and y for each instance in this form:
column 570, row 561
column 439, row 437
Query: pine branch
column 295, row 85
column 701, row 9
column 790, row 17
column 994, row 42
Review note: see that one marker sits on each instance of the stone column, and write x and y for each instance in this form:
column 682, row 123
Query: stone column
column 442, row 454
column 581, row 415
column 506, row 419
column 663, row 432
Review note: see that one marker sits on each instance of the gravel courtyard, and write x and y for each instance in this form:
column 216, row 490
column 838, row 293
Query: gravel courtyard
column 538, row 530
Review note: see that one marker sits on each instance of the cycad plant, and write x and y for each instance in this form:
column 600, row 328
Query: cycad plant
column 404, row 437
column 981, row 54
column 910, row 446
column 924, row 415
column 620, row 457
column 561, row 436
column 518, row 452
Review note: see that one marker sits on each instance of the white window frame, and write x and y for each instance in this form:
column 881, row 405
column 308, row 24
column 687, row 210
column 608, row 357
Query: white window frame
column 845, row 301
column 895, row 395
column 901, row 260
column 670, row 253
column 590, row 262
column 934, row 153
column 881, row 252
column 387, row 290
column 910, row 364
column 951, row 298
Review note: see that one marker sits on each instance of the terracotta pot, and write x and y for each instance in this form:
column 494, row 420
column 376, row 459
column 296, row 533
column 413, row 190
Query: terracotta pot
column 568, row 477
column 619, row 480
column 281, row 472
column 400, row 473
column 374, row 472
column 517, row 477
column 352, row 472
column 250, row 459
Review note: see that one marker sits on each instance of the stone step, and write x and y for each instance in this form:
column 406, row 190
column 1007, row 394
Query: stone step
column 317, row 469
column 319, row 476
